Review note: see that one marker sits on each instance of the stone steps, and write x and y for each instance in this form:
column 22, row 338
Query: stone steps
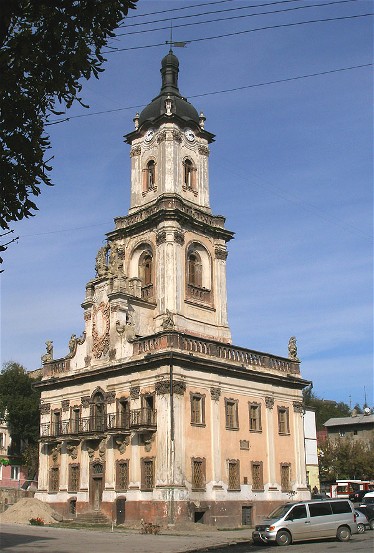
column 92, row 517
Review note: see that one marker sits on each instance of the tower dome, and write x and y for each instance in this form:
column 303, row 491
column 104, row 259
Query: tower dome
column 180, row 107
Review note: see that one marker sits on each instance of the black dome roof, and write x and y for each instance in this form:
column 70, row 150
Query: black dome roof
column 169, row 89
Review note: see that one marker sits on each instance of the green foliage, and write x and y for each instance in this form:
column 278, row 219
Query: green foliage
column 46, row 48
column 19, row 403
column 325, row 409
column 346, row 458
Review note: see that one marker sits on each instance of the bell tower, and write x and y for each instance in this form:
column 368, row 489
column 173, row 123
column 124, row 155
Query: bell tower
column 171, row 240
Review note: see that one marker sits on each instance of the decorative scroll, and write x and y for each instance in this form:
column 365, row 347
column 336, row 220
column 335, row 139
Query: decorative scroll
column 179, row 387
column 85, row 401
column 161, row 237
column 221, row 253
column 65, row 403
column 45, row 408
column 135, row 392
column 179, row 237
column 204, row 150
column 72, row 451
column 135, row 151
column 298, row 407
column 110, row 397
column 100, row 344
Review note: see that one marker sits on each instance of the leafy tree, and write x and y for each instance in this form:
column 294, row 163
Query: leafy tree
column 346, row 458
column 19, row 407
column 325, row 409
column 46, row 48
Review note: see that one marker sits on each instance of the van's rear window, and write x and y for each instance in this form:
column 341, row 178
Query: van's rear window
column 340, row 507
column 320, row 509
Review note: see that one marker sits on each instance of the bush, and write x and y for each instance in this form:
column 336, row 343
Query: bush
column 36, row 521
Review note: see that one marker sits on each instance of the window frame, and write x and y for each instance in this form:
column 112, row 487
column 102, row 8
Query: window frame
column 288, row 467
column 119, row 464
column 144, row 484
column 72, row 468
column 17, row 469
column 201, row 411
column 283, row 420
column 235, row 463
column 196, row 485
column 234, row 424
column 54, row 481
column 255, row 407
column 260, row 466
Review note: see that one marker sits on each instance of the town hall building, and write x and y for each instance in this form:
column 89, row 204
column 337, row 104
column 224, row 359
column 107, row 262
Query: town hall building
column 154, row 414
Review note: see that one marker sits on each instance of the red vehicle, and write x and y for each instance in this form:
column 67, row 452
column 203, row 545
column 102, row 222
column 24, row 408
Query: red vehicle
column 348, row 488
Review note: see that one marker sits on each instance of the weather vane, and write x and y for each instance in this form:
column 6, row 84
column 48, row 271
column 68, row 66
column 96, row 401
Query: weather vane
column 172, row 43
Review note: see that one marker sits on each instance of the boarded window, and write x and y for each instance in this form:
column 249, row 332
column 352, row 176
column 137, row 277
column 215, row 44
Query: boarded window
column 285, row 477
column 283, row 420
column 74, row 472
column 254, row 417
column 122, row 476
column 197, row 409
column 234, row 475
column 198, row 474
column 231, row 414
column 257, row 475
column 147, row 474
column 54, row 479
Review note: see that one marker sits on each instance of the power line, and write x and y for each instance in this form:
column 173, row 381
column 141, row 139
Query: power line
column 280, row 26
column 244, row 87
column 185, row 8
column 302, row 7
column 228, row 18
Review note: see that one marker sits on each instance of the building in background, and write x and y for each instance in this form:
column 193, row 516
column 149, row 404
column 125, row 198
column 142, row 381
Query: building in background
column 154, row 414
column 356, row 427
column 12, row 473
column 311, row 450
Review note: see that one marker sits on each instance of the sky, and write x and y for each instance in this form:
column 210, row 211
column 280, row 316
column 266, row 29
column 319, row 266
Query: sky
column 290, row 169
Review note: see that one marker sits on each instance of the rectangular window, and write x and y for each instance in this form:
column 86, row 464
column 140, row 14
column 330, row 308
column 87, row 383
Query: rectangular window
column 198, row 474
column 197, row 409
column 54, row 479
column 283, row 420
column 15, row 472
column 320, row 509
column 231, row 414
column 56, row 423
column 123, row 409
column 339, row 507
column 2, row 440
column 255, row 417
column 147, row 473
column 75, row 420
column 257, row 475
column 234, row 475
column 285, row 477
column 74, row 473
column 122, row 475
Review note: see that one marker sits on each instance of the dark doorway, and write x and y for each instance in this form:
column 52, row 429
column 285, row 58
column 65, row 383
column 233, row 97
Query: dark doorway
column 199, row 517
column 120, row 510
column 246, row 516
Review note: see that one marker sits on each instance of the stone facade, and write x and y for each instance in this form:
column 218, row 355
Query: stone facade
column 154, row 414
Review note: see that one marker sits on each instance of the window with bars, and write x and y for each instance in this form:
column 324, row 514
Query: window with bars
column 234, row 475
column 231, row 414
column 257, row 475
column 198, row 474
column 74, row 473
column 122, row 475
column 255, row 417
column 285, row 477
column 54, row 479
column 283, row 420
column 75, row 416
column 197, row 409
column 147, row 473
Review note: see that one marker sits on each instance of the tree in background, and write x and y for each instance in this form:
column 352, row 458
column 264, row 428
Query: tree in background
column 46, row 48
column 325, row 409
column 19, row 408
column 346, row 458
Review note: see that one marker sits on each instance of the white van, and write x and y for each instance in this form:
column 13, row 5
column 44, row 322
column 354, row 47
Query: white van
column 308, row 520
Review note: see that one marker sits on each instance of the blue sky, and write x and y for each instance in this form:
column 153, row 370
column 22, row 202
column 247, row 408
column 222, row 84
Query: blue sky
column 291, row 170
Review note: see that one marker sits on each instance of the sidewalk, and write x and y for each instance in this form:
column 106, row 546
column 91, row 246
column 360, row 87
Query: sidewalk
column 64, row 540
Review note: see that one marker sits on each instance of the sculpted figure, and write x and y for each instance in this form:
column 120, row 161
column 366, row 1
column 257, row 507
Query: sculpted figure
column 47, row 357
column 168, row 322
column 292, row 348
column 72, row 345
column 101, row 266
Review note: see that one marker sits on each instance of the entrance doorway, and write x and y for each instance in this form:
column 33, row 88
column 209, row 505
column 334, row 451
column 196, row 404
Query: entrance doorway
column 247, row 516
column 120, row 510
column 97, row 478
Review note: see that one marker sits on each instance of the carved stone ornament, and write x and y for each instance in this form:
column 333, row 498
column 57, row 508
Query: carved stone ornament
column 179, row 387
column 55, row 453
column 221, row 253
column 112, row 354
column 122, row 443
column 204, row 150
column 91, row 452
column 147, row 440
column 48, row 357
column 72, row 451
column 115, row 260
column 161, row 237
column 45, row 408
column 161, row 136
column 85, row 401
column 135, row 151
column 87, row 316
column 87, row 360
column 135, row 392
column 292, row 349
column 215, row 393
column 100, row 345
column 244, row 444
column 176, row 135
column 72, row 346
column 102, row 449
column 65, row 404
column 168, row 322
column 101, row 266
column 298, row 407
column 269, row 402
column 179, row 237
column 162, row 387
column 110, row 397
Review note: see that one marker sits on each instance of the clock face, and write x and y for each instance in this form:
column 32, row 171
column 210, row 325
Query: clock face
column 149, row 135
column 189, row 135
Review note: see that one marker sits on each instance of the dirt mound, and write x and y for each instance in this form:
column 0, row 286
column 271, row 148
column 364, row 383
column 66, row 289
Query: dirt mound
column 24, row 509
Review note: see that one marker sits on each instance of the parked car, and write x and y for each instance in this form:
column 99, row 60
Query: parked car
column 357, row 496
column 320, row 496
column 362, row 522
column 308, row 520
column 368, row 499
column 368, row 511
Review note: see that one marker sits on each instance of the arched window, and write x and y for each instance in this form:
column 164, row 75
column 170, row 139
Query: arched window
column 98, row 412
column 194, row 269
column 151, row 174
column 189, row 175
column 145, row 269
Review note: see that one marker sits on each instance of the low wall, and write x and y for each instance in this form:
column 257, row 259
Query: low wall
column 9, row 496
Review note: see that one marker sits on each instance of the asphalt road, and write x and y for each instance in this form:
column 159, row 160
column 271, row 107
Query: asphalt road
column 15, row 538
